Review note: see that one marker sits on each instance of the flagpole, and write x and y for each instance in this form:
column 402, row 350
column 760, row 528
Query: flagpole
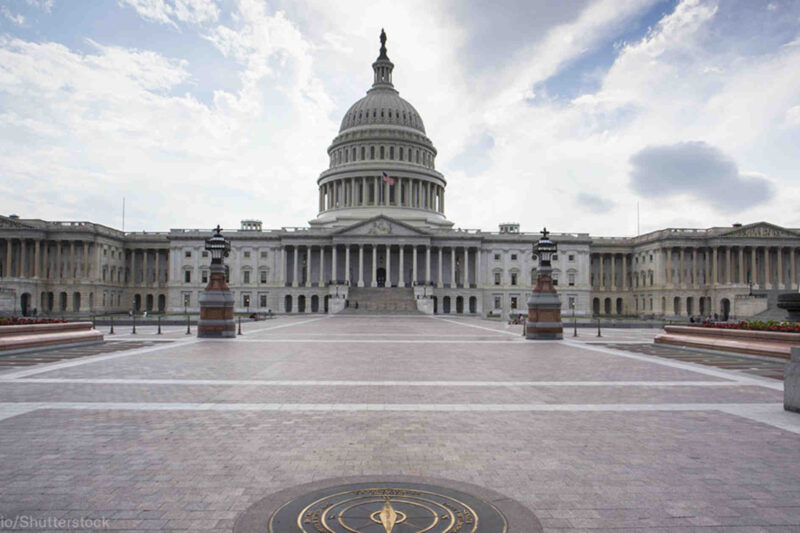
column 123, row 214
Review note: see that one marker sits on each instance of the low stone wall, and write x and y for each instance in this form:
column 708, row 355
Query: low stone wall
column 36, row 336
column 768, row 343
column 791, row 383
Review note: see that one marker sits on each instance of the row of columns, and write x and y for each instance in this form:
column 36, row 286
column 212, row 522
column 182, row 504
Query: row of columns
column 456, row 255
column 374, row 191
column 143, row 277
column 696, row 267
column 31, row 258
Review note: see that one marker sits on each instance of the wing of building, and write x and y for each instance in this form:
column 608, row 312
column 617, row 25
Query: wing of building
column 381, row 242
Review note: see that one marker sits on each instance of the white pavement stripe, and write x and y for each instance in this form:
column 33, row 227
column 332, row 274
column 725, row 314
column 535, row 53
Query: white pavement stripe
column 693, row 367
column 771, row 414
column 39, row 369
column 288, row 325
column 498, row 331
column 357, row 383
column 362, row 341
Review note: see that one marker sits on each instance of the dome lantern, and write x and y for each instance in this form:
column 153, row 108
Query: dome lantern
column 383, row 66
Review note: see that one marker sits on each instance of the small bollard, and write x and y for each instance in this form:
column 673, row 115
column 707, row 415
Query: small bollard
column 159, row 325
column 112, row 326
column 574, row 327
column 93, row 322
column 598, row 328
column 240, row 326
column 188, row 326
column 133, row 331
column 524, row 325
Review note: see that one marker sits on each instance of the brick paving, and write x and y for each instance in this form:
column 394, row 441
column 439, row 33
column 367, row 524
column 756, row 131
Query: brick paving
column 590, row 436
column 48, row 356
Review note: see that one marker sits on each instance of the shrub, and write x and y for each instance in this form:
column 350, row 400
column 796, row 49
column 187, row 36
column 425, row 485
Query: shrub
column 17, row 321
column 755, row 325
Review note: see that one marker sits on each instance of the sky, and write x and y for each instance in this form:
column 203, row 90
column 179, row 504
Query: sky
column 573, row 115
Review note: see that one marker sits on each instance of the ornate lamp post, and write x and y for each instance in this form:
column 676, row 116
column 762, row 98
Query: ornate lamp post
column 216, row 301
column 544, row 304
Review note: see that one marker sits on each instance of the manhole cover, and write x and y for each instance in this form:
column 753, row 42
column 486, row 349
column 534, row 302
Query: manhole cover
column 387, row 506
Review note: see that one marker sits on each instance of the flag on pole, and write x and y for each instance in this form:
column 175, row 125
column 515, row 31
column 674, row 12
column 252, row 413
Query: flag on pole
column 388, row 179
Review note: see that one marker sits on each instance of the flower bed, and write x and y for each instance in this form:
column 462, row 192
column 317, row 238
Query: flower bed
column 754, row 325
column 16, row 321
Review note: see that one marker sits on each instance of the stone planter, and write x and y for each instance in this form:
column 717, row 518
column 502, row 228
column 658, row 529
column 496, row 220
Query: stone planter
column 39, row 336
column 766, row 343
column 791, row 302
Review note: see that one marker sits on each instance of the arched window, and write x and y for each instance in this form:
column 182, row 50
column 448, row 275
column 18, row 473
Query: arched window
column 372, row 152
column 391, row 152
column 363, row 153
column 417, row 156
column 382, row 152
column 400, row 154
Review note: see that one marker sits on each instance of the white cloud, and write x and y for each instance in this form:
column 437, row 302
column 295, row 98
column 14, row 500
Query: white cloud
column 173, row 11
column 44, row 5
column 17, row 18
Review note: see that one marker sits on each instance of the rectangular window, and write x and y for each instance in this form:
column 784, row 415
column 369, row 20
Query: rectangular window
column 204, row 276
column 513, row 278
column 245, row 300
column 263, row 255
column 263, row 276
column 246, row 276
column 187, row 299
column 513, row 257
column 571, row 280
column 391, row 152
column 262, row 300
column 187, row 276
column 498, row 302
column 247, row 255
column 555, row 257
column 497, row 278
column 513, row 302
column 571, row 257
column 187, row 253
column 571, row 302
column 204, row 254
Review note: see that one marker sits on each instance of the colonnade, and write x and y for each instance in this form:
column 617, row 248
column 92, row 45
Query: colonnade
column 145, row 266
column 766, row 267
column 387, row 265
column 48, row 259
column 375, row 191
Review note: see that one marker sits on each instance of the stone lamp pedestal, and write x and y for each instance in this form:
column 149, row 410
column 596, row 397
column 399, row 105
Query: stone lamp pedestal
column 544, row 310
column 216, row 307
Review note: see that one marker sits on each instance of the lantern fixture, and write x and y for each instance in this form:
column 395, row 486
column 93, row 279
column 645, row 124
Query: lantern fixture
column 219, row 246
column 545, row 249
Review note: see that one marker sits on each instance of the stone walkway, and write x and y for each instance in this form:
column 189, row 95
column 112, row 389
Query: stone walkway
column 185, row 435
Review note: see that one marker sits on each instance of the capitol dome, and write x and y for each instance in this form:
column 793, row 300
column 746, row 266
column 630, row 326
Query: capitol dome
column 381, row 162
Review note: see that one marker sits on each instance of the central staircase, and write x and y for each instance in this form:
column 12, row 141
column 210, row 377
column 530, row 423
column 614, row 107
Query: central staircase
column 383, row 300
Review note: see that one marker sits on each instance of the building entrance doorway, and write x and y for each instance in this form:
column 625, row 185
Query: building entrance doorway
column 380, row 277
column 25, row 303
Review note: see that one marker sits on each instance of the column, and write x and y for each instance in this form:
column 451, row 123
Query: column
column 466, row 267
column 613, row 260
column 452, row 267
column 308, row 266
column 145, row 261
column 714, row 265
column 478, row 253
column 283, row 265
column 375, row 184
column 728, row 277
column 321, row 198
column 386, row 201
column 440, row 283
column 334, row 266
column 427, row 264
column 741, row 264
column 388, row 265
column 682, row 275
column 133, row 265
column 45, row 259
column 767, row 273
column 780, row 268
column 442, row 200
column 295, row 255
column 793, row 269
column 71, row 260
column 321, row 266
column 347, row 263
column 37, row 253
column 669, row 266
column 374, row 282
column 694, row 268
column 360, row 265
column 401, row 282
column 602, row 281
column 158, row 268
column 414, row 266
column 7, row 271
column 85, row 259
column 753, row 266
column 398, row 186
column 624, row 271
column 23, row 266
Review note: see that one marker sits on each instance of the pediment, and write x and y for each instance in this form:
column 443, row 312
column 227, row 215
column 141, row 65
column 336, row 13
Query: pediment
column 761, row 230
column 10, row 223
column 381, row 226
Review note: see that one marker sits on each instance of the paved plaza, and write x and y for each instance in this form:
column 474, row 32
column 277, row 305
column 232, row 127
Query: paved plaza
column 174, row 433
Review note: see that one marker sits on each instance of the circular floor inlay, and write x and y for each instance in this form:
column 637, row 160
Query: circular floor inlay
column 398, row 505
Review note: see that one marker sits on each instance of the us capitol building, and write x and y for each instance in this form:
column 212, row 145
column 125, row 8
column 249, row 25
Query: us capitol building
column 381, row 242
